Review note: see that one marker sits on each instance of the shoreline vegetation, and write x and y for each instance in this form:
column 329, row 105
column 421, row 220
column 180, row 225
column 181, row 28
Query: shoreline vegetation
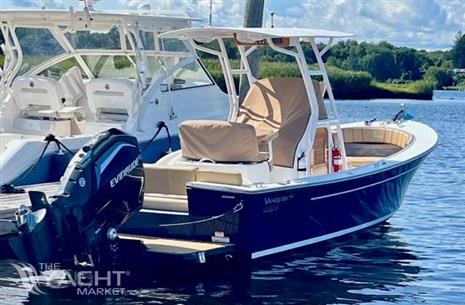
column 363, row 70
column 345, row 84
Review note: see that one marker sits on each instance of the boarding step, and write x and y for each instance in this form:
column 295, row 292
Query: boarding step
column 180, row 250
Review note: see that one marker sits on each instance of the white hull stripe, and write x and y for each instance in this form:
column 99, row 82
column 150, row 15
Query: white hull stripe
column 313, row 240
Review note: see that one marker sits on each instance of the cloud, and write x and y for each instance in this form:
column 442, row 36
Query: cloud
column 417, row 23
column 429, row 24
column 39, row 3
column 225, row 12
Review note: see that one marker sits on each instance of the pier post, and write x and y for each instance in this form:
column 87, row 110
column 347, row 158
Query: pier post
column 253, row 17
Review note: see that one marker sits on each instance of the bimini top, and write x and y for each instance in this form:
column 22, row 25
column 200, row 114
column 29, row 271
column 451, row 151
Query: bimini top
column 247, row 34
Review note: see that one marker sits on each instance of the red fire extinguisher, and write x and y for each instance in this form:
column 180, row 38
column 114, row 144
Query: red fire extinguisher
column 337, row 159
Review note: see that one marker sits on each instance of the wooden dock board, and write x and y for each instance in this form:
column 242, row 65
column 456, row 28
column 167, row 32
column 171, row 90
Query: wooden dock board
column 10, row 202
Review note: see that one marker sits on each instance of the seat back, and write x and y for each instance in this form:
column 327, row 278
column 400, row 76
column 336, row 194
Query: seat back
column 219, row 141
column 110, row 98
column 167, row 179
column 38, row 92
column 280, row 104
column 73, row 86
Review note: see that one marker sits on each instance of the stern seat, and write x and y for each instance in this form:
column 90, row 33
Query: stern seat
column 42, row 97
column 165, row 187
column 111, row 99
column 270, row 124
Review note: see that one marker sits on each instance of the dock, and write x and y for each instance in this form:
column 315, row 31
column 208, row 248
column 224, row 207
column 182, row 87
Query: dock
column 10, row 202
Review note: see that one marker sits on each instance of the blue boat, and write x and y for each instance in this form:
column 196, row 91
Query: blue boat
column 312, row 179
column 281, row 173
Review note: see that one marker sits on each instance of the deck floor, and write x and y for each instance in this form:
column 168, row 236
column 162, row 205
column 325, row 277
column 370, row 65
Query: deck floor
column 10, row 202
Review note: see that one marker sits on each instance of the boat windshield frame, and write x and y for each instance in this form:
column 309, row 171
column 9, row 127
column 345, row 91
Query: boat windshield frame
column 130, row 26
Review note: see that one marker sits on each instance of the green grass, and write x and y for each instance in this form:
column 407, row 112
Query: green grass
column 420, row 88
column 2, row 59
column 345, row 84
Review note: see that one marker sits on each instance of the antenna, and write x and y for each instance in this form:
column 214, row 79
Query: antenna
column 272, row 22
column 210, row 16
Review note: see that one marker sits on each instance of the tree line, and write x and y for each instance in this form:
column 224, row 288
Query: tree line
column 352, row 64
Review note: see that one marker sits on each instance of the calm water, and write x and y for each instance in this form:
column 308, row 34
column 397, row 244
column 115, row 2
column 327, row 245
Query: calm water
column 417, row 257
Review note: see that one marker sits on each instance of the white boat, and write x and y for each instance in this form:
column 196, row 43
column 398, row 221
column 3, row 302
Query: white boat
column 73, row 74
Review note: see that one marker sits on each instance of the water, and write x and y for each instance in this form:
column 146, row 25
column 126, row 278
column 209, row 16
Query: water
column 418, row 256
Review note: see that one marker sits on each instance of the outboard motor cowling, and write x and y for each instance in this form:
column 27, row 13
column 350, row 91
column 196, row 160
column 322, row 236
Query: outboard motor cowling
column 102, row 186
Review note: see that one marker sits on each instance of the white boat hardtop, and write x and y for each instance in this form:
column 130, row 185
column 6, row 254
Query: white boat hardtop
column 142, row 17
column 252, row 33
column 76, row 73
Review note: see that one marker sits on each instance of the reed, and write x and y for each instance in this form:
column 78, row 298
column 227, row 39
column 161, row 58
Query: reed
column 346, row 84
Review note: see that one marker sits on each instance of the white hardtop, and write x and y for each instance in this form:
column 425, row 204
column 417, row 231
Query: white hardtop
column 210, row 33
column 65, row 16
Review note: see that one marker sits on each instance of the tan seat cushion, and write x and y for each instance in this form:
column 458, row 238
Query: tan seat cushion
column 376, row 135
column 280, row 104
column 360, row 161
column 218, row 177
column 219, row 141
column 165, row 202
column 167, row 179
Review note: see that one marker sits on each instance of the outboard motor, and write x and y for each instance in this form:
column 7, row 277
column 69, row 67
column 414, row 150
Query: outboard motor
column 102, row 186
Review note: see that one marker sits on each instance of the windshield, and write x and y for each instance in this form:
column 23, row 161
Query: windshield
column 38, row 45
column 109, row 40
column 103, row 54
column 107, row 66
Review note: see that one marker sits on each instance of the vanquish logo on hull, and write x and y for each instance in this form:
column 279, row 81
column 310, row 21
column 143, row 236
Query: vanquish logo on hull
column 115, row 180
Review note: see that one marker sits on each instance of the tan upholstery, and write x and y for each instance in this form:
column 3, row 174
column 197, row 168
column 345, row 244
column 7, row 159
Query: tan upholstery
column 277, row 108
column 165, row 202
column 360, row 161
column 218, row 177
column 379, row 135
column 363, row 144
column 165, row 186
column 219, row 141
column 280, row 104
column 167, row 180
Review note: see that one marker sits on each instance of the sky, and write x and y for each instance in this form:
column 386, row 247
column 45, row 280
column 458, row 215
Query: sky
column 421, row 24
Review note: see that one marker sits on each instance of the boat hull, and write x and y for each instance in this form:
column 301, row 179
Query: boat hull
column 269, row 222
column 52, row 165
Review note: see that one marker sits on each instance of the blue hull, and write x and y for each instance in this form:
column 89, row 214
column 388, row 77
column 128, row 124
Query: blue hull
column 279, row 220
column 51, row 167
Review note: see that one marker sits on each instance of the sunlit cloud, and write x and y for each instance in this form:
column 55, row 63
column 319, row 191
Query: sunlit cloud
column 429, row 24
